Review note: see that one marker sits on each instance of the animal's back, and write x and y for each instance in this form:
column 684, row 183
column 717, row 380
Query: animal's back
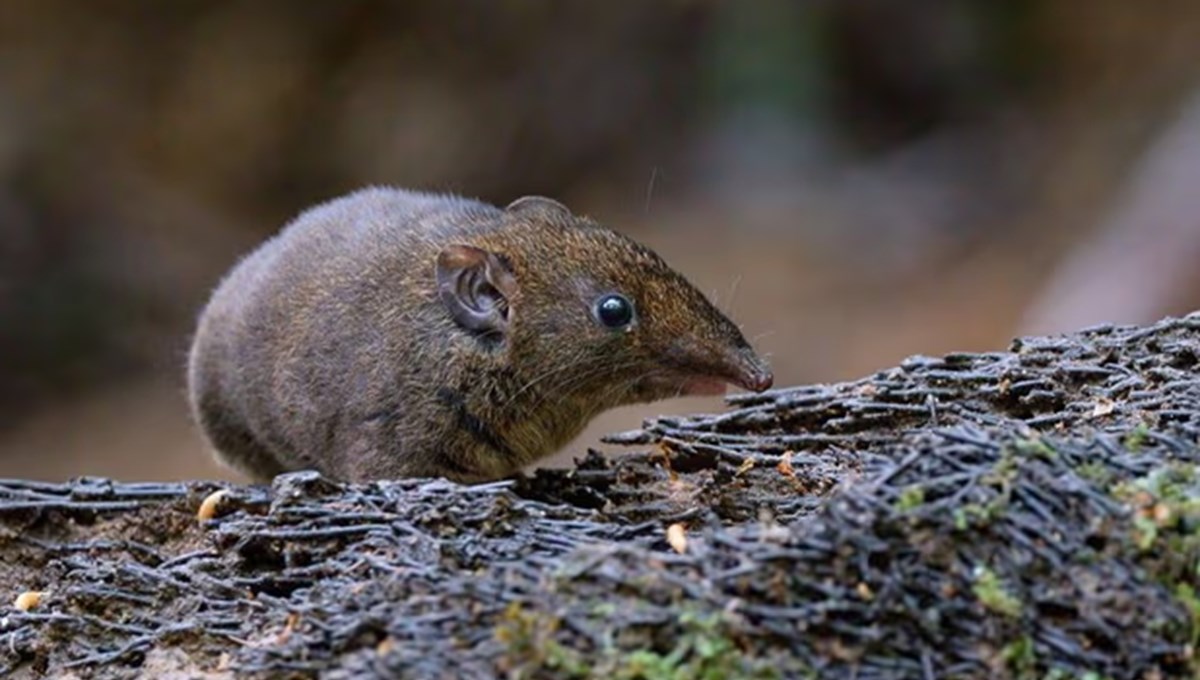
column 294, row 334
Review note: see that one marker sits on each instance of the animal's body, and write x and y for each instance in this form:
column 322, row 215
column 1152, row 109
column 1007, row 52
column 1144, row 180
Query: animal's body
column 390, row 333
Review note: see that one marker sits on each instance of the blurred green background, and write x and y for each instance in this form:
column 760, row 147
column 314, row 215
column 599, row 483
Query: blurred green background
column 854, row 180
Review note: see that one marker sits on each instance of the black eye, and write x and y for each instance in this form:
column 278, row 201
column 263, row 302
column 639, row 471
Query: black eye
column 614, row 311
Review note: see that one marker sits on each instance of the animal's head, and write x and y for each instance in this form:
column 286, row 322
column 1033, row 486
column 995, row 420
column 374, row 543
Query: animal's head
column 582, row 309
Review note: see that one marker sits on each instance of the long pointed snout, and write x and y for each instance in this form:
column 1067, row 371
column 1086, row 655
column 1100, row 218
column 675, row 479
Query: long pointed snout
column 710, row 369
column 745, row 369
column 710, row 354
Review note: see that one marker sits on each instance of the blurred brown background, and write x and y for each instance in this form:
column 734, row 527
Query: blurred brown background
column 856, row 181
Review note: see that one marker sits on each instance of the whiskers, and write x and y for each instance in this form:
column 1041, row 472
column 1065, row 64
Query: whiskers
column 650, row 188
column 555, row 381
column 571, row 406
column 733, row 291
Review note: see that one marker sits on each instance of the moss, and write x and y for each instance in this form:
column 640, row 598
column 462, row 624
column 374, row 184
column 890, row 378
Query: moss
column 980, row 515
column 1020, row 657
column 603, row 610
column 1165, row 531
column 1022, row 663
column 1035, row 448
column 1004, row 471
column 703, row 650
column 962, row 521
column 992, row 595
column 1137, row 437
column 1145, row 533
column 1175, row 483
column 1096, row 473
column 911, row 498
column 528, row 636
column 1186, row 593
column 1166, row 507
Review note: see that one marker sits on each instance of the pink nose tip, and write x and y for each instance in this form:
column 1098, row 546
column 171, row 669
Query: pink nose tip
column 751, row 372
column 759, row 381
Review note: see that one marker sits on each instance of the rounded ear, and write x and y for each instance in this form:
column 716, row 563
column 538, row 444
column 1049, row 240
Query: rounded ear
column 540, row 205
column 476, row 287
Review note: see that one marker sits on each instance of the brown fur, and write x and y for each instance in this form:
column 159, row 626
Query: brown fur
column 328, row 347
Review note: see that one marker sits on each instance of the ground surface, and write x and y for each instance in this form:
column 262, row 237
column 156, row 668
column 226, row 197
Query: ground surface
column 1023, row 514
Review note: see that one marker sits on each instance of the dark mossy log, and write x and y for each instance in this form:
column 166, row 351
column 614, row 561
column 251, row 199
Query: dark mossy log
column 1009, row 514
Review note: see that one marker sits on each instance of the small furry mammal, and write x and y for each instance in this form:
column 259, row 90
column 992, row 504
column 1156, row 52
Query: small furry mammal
column 390, row 333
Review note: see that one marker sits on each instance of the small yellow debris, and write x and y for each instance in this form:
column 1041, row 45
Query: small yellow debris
column 28, row 599
column 1162, row 514
column 785, row 465
column 289, row 627
column 1103, row 407
column 864, row 591
column 746, row 466
column 208, row 507
column 662, row 450
column 677, row 537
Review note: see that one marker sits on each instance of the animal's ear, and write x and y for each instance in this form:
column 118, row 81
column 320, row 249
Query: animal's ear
column 476, row 287
column 547, row 207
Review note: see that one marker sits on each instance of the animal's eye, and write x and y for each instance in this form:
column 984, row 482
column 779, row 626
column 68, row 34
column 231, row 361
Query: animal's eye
column 614, row 311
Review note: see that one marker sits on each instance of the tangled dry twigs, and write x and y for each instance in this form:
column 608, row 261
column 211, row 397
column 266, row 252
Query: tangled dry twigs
column 1004, row 514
